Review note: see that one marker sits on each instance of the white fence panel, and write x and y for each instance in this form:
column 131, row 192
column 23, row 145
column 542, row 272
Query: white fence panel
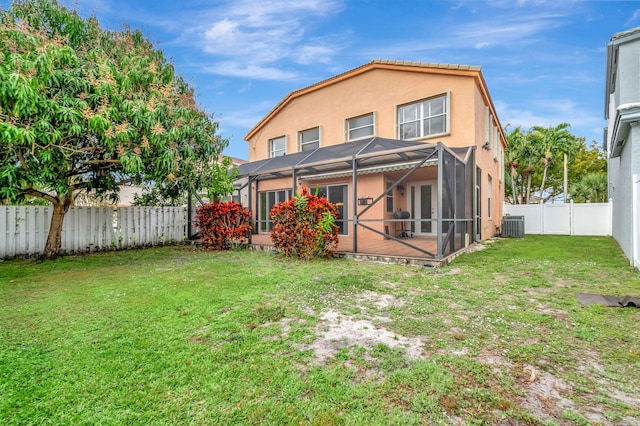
column 564, row 219
column 87, row 229
column 592, row 219
column 150, row 225
column 556, row 219
column 533, row 219
column 24, row 229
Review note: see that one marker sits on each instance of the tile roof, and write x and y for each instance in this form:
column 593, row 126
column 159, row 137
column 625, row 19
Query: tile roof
column 428, row 65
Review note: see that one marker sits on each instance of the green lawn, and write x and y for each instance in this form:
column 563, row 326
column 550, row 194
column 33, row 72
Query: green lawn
column 175, row 335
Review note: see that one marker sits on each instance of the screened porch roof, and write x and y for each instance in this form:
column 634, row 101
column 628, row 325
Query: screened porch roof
column 373, row 154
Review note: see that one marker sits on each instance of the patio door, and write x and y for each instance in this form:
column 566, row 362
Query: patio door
column 423, row 207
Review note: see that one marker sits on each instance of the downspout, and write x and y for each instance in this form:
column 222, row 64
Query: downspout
column 635, row 228
column 294, row 187
column 189, row 213
column 249, row 205
column 255, row 221
column 354, row 196
column 439, row 209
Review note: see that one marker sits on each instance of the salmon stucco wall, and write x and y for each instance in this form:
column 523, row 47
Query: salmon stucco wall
column 330, row 107
column 381, row 88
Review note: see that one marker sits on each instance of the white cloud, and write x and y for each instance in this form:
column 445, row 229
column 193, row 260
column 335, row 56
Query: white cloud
column 551, row 112
column 255, row 36
column 634, row 18
column 501, row 31
column 312, row 54
column 239, row 69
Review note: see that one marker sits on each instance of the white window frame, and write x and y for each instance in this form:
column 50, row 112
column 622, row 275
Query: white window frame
column 348, row 129
column 345, row 217
column 264, row 207
column 273, row 152
column 300, row 143
column 421, row 116
column 389, row 205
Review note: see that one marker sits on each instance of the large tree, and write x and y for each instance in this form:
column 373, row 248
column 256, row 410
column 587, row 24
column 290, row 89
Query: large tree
column 85, row 109
column 532, row 158
column 551, row 142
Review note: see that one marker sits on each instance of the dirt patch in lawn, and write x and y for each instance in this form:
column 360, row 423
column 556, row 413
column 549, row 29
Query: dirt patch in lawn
column 541, row 392
column 336, row 331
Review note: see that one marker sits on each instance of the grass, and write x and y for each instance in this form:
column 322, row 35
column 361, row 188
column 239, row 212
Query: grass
column 178, row 336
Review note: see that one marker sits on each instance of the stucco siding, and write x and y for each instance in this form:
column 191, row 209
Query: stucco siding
column 333, row 104
column 620, row 175
column 627, row 81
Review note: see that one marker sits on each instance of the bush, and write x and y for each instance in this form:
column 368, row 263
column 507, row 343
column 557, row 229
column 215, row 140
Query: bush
column 305, row 226
column 223, row 225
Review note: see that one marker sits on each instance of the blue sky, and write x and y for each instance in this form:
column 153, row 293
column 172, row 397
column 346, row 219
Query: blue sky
column 544, row 61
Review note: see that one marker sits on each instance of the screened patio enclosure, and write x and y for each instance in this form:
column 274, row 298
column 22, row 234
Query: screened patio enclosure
column 437, row 217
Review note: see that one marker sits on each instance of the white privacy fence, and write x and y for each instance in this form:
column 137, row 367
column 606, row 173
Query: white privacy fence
column 24, row 229
column 564, row 219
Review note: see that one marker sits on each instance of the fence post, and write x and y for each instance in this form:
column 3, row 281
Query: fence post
column 572, row 221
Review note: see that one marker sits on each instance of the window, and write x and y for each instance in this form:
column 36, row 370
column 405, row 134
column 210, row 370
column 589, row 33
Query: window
column 488, row 196
column 277, row 146
column 309, row 139
column 267, row 200
column 338, row 195
column 360, row 127
column 424, row 118
column 389, row 198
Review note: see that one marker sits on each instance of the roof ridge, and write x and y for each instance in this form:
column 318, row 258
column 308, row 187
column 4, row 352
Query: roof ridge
column 427, row 64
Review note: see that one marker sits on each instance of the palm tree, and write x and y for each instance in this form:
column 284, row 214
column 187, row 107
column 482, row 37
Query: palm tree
column 516, row 141
column 550, row 141
column 592, row 188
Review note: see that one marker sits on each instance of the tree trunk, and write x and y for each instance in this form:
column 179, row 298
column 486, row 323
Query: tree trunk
column 544, row 178
column 54, row 239
column 565, row 181
column 513, row 186
column 528, row 189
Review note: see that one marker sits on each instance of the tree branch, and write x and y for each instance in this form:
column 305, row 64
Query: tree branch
column 39, row 194
column 98, row 162
column 23, row 162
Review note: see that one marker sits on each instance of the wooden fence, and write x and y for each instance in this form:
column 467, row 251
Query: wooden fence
column 24, row 229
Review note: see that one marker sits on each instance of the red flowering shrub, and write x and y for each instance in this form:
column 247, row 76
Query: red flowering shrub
column 223, row 225
column 305, row 226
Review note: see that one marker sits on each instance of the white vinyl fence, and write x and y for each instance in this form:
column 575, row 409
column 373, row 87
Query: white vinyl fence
column 564, row 219
column 24, row 229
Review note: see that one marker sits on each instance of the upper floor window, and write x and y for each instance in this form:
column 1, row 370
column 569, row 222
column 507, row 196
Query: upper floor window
column 360, row 127
column 309, row 139
column 424, row 118
column 277, row 146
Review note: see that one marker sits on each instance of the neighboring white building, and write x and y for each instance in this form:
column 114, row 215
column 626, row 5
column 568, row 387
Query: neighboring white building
column 622, row 138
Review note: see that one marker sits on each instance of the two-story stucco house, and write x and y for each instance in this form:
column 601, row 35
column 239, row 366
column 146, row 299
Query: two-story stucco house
column 411, row 153
column 622, row 139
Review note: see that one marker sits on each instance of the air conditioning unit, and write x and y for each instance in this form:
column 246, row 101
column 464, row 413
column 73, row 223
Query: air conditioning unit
column 513, row 226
